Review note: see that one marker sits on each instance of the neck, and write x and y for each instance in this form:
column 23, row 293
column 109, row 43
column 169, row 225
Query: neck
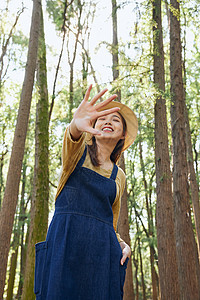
column 104, row 151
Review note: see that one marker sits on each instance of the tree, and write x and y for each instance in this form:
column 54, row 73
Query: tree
column 150, row 226
column 123, row 220
column 39, row 213
column 194, row 187
column 167, row 263
column 188, row 269
column 14, row 172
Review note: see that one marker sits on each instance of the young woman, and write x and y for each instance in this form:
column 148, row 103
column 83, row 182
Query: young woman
column 83, row 258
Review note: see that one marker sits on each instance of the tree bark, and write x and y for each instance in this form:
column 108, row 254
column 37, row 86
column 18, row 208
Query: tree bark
column 2, row 159
column 150, row 227
column 13, row 265
column 167, row 262
column 39, row 216
column 194, row 187
column 24, row 247
column 141, row 263
column 123, row 223
column 123, row 228
column 135, row 261
column 14, row 172
column 187, row 255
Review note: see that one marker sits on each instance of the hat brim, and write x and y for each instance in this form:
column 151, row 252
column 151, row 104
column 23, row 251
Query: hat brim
column 131, row 122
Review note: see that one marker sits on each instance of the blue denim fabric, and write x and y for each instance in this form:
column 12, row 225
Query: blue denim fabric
column 80, row 259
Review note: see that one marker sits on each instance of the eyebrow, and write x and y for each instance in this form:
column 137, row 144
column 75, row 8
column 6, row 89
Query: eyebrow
column 116, row 116
column 112, row 116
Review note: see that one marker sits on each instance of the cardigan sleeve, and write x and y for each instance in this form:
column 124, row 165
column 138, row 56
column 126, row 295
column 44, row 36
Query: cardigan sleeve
column 120, row 182
column 71, row 153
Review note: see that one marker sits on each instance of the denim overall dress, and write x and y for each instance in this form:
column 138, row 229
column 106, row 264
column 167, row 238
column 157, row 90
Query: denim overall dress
column 80, row 259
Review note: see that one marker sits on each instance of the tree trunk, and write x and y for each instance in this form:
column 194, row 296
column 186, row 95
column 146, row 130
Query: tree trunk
column 12, row 271
column 150, row 227
column 18, row 234
column 141, row 264
column 84, row 72
column 167, row 263
column 24, row 247
column 2, row 158
column 135, row 261
column 187, row 255
column 194, row 187
column 123, row 226
column 39, row 217
column 193, row 180
column 22, row 220
column 123, row 219
column 142, row 273
column 14, row 172
column 71, row 91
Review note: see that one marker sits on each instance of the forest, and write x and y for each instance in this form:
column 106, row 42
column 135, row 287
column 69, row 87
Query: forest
column 147, row 52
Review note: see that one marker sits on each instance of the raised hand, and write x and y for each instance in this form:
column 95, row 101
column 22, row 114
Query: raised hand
column 88, row 112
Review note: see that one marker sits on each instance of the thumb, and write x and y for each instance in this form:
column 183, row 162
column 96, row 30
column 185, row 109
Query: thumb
column 93, row 131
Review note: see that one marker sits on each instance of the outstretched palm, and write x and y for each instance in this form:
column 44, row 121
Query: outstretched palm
column 88, row 112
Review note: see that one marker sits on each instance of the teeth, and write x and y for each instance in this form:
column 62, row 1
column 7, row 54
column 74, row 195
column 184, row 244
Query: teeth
column 107, row 128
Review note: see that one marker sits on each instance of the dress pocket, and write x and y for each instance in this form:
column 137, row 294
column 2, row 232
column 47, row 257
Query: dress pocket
column 40, row 258
column 122, row 271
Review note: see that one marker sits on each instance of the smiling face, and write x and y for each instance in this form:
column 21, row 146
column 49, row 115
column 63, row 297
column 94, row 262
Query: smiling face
column 111, row 127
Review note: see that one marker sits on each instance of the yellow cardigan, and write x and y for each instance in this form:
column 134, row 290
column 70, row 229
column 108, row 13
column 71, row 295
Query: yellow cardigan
column 71, row 154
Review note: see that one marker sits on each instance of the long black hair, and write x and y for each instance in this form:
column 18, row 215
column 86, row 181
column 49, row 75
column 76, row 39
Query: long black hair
column 115, row 155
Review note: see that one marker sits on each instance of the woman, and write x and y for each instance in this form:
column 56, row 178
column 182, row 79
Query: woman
column 83, row 257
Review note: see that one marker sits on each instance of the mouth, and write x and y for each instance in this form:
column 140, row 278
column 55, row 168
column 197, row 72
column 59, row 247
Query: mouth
column 107, row 129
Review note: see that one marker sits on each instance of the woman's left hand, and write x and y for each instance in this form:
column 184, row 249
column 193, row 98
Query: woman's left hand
column 126, row 252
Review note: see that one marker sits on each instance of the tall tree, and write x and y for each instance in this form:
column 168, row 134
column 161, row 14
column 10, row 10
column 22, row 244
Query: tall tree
column 14, row 172
column 39, row 214
column 2, row 160
column 150, row 226
column 13, row 262
column 188, row 269
column 167, row 263
column 194, row 187
column 123, row 220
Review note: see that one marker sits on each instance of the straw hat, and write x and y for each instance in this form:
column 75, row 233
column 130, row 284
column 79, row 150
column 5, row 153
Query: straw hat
column 131, row 122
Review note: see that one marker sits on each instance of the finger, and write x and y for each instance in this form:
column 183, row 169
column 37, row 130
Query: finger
column 93, row 131
column 123, row 258
column 107, row 112
column 94, row 100
column 87, row 94
column 105, row 102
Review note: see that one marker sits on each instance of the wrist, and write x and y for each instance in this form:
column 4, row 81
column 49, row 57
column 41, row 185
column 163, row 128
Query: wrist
column 74, row 131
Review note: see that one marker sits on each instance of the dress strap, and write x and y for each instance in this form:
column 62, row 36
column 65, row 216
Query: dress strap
column 82, row 159
column 114, row 172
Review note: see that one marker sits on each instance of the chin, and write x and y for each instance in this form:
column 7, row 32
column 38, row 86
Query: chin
column 109, row 139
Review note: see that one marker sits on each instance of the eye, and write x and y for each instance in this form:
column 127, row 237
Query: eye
column 116, row 120
column 101, row 119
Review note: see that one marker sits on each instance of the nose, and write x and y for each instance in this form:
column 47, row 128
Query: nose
column 108, row 122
